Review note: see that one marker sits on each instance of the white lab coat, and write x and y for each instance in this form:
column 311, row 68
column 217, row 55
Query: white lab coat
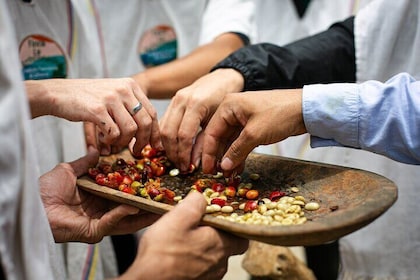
column 26, row 243
column 278, row 21
column 57, row 140
column 389, row 248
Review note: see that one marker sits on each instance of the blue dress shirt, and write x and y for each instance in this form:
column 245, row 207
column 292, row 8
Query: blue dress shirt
column 383, row 118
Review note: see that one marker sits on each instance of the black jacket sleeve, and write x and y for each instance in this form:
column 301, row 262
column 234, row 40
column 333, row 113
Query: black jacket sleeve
column 323, row 58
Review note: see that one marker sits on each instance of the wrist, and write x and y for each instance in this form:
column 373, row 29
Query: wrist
column 142, row 80
column 233, row 80
column 39, row 97
column 297, row 107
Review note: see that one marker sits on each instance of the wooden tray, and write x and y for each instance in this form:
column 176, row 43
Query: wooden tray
column 349, row 199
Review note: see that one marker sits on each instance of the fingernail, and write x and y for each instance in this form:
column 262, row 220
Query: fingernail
column 105, row 151
column 91, row 148
column 226, row 164
column 134, row 211
column 197, row 162
column 160, row 146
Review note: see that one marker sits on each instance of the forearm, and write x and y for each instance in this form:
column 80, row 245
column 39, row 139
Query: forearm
column 379, row 117
column 40, row 99
column 165, row 80
column 326, row 57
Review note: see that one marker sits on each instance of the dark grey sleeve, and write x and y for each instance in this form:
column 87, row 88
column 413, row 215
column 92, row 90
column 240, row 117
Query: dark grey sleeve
column 325, row 57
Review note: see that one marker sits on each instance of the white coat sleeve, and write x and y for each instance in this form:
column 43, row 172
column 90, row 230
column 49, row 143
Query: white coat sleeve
column 26, row 241
column 223, row 16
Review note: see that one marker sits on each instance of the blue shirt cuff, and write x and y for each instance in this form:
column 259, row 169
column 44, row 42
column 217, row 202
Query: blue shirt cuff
column 331, row 114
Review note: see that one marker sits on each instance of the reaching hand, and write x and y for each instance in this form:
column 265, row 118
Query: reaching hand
column 107, row 103
column 245, row 120
column 190, row 110
column 76, row 215
column 177, row 247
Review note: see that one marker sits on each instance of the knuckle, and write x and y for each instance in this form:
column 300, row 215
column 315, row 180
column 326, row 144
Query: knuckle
column 168, row 136
column 97, row 109
column 164, row 134
column 184, row 136
column 163, row 128
column 249, row 135
column 183, row 93
column 126, row 87
column 67, row 169
column 131, row 127
column 180, row 97
column 130, row 82
column 111, row 132
column 111, row 97
column 145, row 123
column 152, row 113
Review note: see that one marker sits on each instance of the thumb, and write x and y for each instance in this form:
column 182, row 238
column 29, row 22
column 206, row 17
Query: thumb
column 81, row 165
column 188, row 213
column 238, row 151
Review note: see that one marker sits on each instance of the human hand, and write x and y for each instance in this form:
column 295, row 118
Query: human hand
column 76, row 215
column 107, row 103
column 177, row 247
column 190, row 110
column 245, row 120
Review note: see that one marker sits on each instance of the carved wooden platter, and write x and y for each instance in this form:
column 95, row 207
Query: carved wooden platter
column 349, row 199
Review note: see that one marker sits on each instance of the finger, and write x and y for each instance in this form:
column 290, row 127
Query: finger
column 188, row 130
column 222, row 129
column 131, row 146
column 148, row 128
column 126, row 123
column 142, row 136
column 209, row 154
column 211, row 162
column 169, row 126
column 109, row 130
column 133, row 223
column 112, row 218
column 188, row 214
column 240, row 148
column 197, row 149
column 90, row 134
column 81, row 165
column 215, row 141
column 155, row 139
column 125, row 219
column 105, row 149
column 213, row 151
column 237, row 170
column 117, row 149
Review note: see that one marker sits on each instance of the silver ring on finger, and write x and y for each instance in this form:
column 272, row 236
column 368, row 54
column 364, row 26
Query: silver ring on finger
column 136, row 108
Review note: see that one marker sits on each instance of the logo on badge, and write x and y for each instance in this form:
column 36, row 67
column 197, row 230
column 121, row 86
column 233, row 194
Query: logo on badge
column 157, row 46
column 42, row 58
